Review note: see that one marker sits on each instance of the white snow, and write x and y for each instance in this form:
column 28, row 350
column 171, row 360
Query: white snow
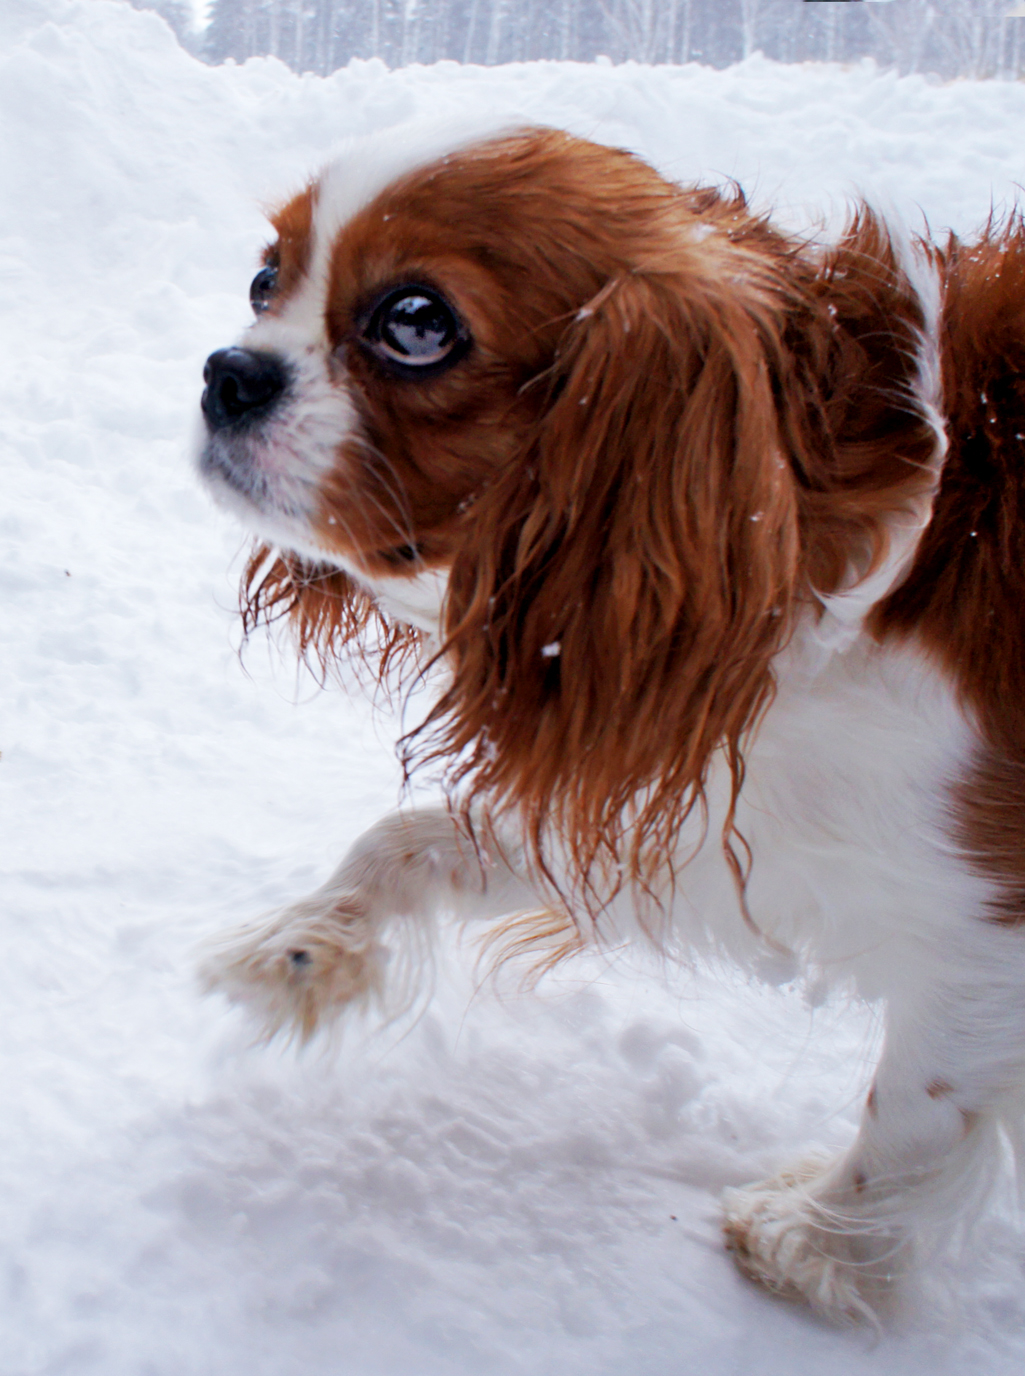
column 524, row 1185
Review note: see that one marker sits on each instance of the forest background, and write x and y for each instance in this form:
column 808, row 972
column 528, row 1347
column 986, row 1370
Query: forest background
column 948, row 38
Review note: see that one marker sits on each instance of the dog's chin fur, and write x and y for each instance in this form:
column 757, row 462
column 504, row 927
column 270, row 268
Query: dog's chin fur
column 719, row 536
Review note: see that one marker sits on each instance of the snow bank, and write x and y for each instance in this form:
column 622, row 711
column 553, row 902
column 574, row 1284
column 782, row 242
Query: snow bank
column 518, row 1187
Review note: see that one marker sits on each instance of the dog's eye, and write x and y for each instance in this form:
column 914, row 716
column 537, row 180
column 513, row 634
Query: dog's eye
column 262, row 289
column 416, row 332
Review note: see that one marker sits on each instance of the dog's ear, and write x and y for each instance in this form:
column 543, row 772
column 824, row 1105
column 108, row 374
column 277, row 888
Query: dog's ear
column 622, row 588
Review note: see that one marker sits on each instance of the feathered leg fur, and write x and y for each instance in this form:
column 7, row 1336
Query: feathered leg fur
column 365, row 935
column 839, row 1234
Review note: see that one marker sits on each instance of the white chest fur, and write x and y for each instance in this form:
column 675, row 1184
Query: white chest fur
column 847, row 808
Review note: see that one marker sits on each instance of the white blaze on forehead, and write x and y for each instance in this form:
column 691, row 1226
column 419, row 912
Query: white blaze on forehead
column 358, row 172
column 362, row 168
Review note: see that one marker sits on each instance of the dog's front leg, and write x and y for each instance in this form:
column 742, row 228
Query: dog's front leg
column 366, row 934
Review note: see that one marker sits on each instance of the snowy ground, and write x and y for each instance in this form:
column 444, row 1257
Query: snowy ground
column 526, row 1186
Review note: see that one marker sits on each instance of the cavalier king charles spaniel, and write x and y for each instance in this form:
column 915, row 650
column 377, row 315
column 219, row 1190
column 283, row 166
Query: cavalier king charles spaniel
column 717, row 537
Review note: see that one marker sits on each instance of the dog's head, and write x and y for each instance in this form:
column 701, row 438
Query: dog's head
column 598, row 434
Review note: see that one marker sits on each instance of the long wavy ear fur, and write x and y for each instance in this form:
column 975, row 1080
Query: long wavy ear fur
column 621, row 592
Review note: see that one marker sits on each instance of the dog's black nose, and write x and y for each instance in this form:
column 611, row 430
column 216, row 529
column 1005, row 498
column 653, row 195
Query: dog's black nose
column 239, row 384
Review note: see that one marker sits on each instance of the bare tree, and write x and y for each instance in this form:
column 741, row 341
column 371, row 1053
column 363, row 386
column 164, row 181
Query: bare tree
column 498, row 14
column 750, row 11
column 635, row 24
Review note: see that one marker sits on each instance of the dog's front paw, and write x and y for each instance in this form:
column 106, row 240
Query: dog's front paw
column 785, row 1235
column 302, row 969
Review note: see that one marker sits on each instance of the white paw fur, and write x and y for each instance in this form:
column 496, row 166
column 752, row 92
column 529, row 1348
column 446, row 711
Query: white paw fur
column 785, row 1236
column 302, row 969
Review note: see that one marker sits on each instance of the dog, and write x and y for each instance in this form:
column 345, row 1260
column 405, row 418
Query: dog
column 718, row 536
